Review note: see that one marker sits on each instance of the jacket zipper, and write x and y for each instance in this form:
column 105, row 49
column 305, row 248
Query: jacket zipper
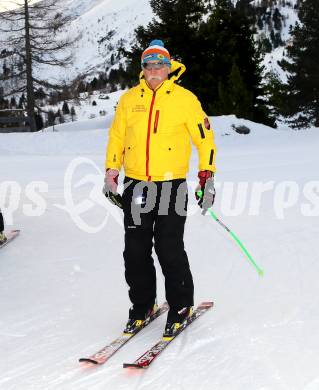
column 156, row 121
column 148, row 137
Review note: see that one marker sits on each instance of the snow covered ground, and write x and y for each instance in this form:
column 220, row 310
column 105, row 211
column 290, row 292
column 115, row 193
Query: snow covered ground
column 85, row 109
column 62, row 288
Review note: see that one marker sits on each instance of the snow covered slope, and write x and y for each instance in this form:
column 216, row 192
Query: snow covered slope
column 289, row 17
column 103, row 26
column 63, row 293
column 106, row 25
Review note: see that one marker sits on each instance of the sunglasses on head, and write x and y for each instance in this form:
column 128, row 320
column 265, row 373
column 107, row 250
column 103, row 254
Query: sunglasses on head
column 152, row 65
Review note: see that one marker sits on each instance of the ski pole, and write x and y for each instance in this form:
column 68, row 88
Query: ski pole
column 236, row 239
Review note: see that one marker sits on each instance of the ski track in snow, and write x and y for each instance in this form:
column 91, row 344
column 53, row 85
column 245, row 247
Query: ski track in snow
column 63, row 294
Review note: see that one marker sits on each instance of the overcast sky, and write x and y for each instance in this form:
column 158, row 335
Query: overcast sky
column 10, row 3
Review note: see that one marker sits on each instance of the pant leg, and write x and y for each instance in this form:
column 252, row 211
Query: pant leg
column 1, row 223
column 169, row 247
column 140, row 272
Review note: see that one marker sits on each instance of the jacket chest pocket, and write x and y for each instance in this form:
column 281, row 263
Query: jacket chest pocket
column 168, row 120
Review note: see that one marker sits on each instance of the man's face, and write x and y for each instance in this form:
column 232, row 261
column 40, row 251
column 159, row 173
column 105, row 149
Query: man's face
column 155, row 73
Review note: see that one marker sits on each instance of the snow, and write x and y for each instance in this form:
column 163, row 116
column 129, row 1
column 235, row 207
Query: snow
column 270, row 60
column 63, row 293
column 93, row 20
column 85, row 111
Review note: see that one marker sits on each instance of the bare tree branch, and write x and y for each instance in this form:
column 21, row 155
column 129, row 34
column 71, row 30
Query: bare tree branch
column 54, row 62
column 11, row 30
column 47, row 5
column 15, row 91
column 48, row 49
column 47, row 84
column 9, row 14
column 12, row 76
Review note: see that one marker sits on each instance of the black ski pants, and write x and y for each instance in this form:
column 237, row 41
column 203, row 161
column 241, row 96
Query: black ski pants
column 159, row 224
column 1, row 222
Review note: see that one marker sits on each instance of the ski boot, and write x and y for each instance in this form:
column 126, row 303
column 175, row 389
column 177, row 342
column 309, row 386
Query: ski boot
column 138, row 316
column 3, row 238
column 176, row 318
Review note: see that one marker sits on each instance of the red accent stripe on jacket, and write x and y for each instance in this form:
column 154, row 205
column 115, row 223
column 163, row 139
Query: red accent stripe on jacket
column 156, row 121
column 148, row 137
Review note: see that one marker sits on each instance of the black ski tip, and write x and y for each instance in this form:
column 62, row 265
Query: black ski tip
column 132, row 365
column 88, row 360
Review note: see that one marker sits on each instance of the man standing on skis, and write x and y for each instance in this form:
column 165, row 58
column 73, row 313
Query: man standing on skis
column 151, row 136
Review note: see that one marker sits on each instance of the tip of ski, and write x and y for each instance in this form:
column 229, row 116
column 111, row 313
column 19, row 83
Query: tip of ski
column 132, row 365
column 88, row 360
column 207, row 304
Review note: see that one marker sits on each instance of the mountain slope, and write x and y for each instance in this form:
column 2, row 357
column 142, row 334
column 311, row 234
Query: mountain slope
column 105, row 26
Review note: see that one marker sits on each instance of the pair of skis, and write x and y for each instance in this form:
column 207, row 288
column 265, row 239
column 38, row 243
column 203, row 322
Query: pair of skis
column 147, row 358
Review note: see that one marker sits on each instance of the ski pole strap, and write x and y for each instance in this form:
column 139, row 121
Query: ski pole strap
column 236, row 239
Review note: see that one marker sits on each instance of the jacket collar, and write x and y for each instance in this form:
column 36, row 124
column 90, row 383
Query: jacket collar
column 167, row 86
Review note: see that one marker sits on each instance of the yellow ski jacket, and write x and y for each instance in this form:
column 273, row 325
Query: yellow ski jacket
column 151, row 131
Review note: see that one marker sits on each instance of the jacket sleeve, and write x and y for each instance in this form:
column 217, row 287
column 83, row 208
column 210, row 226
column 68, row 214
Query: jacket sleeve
column 202, row 135
column 115, row 147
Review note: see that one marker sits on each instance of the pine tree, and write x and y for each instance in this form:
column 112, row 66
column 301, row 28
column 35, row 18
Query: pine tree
column 234, row 98
column 233, row 60
column 39, row 121
column 65, row 108
column 59, row 116
column 177, row 23
column 21, row 101
column 265, row 44
column 277, row 19
column 73, row 113
column 276, row 94
column 215, row 44
column 81, row 87
column 302, row 66
column 51, row 118
column 13, row 103
column 94, row 84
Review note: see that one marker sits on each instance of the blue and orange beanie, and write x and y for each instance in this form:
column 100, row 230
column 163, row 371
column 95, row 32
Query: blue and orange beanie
column 156, row 52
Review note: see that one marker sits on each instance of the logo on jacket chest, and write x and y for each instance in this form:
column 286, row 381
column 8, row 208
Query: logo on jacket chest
column 139, row 108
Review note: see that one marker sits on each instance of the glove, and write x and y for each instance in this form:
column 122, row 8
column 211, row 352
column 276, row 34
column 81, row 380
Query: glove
column 110, row 187
column 206, row 186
